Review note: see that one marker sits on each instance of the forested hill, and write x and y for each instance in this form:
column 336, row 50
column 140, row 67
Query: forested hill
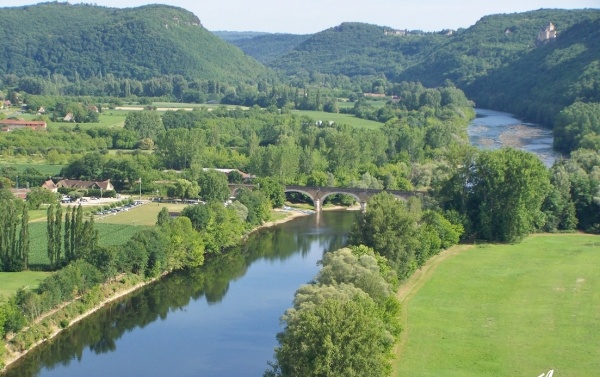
column 497, row 62
column 355, row 49
column 85, row 41
column 267, row 47
column 547, row 79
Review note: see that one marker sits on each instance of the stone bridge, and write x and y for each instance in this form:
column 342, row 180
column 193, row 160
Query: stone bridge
column 319, row 194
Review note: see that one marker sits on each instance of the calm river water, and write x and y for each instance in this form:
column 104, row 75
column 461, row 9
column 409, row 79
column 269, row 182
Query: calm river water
column 220, row 320
column 494, row 129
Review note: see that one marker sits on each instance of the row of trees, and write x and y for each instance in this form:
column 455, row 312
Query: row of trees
column 14, row 233
column 80, row 237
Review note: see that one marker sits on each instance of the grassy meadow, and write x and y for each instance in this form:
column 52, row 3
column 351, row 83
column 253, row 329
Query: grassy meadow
column 338, row 118
column 10, row 282
column 142, row 215
column 22, row 163
column 507, row 310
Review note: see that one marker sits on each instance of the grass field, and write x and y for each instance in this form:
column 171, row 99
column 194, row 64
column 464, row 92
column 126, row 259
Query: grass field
column 142, row 215
column 10, row 282
column 348, row 119
column 26, row 162
column 507, row 310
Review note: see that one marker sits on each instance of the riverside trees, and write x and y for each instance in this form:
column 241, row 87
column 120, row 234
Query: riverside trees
column 500, row 192
column 343, row 324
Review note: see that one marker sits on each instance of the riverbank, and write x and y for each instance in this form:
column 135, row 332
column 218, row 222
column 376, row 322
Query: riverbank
column 52, row 323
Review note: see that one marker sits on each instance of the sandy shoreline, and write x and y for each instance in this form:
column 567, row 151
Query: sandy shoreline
column 12, row 357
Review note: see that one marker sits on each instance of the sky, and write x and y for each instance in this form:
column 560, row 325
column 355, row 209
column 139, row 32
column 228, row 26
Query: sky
column 311, row 16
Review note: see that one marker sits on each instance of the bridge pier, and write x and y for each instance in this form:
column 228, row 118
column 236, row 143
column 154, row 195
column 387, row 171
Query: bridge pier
column 317, row 205
column 363, row 207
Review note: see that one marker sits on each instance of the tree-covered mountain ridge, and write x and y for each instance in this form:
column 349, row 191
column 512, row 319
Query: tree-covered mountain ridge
column 84, row 41
column 499, row 61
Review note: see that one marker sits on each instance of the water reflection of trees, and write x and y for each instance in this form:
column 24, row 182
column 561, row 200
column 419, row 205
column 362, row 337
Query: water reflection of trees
column 101, row 330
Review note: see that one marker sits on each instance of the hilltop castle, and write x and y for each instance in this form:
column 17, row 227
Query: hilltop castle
column 546, row 34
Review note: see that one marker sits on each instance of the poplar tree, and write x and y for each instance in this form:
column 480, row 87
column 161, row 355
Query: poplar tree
column 77, row 233
column 73, row 233
column 50, row 234
column 24, row 239
column 67, row 242
column 57, row 233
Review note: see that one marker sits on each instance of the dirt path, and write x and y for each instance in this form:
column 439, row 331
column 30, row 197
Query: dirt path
column 410, row 288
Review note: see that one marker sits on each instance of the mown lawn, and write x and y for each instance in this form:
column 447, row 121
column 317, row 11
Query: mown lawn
column 508, row 310
column 143, row 215
column 10, row 282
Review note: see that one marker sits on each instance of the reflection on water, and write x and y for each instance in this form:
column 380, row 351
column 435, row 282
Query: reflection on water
column 219, row 320
column 494, row 129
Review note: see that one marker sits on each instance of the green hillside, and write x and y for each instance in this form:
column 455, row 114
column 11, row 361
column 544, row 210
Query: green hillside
column 498, row 61
column 85, row 41
column 548, row 78
column 355, row 49
column 265, row 48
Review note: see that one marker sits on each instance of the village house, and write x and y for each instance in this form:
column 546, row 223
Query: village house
column 86, row 185
column 50, row 186
column 11, row 124
column 69, row 117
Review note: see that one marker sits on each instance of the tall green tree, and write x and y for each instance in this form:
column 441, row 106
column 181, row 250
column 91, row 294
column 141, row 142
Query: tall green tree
column 24, row 242
column 390, row 227
column 501, row 192
column 67, row 241
column 213, row 186
column 338, row 337
column 51, row 249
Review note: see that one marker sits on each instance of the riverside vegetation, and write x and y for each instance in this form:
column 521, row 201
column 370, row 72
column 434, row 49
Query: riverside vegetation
column 420, row 144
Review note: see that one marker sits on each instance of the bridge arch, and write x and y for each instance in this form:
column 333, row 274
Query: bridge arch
column 310, row 195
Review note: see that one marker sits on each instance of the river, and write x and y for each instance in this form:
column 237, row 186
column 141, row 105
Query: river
column 219, row 320
column 494, row 129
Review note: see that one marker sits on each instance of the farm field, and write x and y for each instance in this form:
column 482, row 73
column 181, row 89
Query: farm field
column 507, row 310
column 23, row 163
column 348, row 119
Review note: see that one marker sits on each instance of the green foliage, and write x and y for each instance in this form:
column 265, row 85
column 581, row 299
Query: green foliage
column 213, row 186
column 578, row 126
column 14, row 233
column 502, row 192
column 219, row 226
column 267, row 47
column 345, row 323
column 134, row 43
column 581, row 177
column 390, row 227
column 272, row 190
column 402, row 233
column 257, row 204
column 147, row 124
column 163, row 217
column 38, row 196
column 185, row 247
